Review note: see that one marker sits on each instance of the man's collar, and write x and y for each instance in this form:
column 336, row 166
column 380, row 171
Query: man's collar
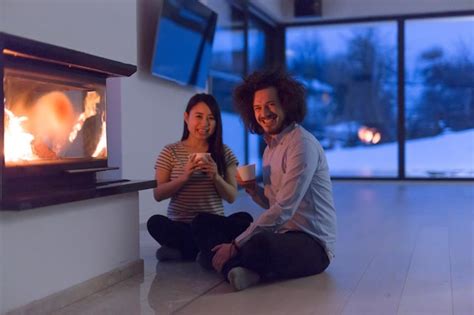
column 271, row 141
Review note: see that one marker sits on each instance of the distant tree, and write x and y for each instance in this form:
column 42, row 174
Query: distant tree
column 307, row 62
column 309, row 59
column 362, row 79
column 447, row 97
column 368, row 82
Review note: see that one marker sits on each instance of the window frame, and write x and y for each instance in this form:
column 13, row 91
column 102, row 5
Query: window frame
column 400, row 21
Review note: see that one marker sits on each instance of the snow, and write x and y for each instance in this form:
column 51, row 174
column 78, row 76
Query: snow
column 447, row 155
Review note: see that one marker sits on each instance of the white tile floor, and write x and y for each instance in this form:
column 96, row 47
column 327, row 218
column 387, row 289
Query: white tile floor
column 403, row 248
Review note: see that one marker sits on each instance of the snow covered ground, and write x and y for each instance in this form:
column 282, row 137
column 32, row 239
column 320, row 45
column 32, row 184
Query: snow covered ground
column 447, row 155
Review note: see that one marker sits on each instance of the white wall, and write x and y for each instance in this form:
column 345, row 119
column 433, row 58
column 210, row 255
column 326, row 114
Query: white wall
column 100, row 27
column 362, row 8
column 2, row 14
column 283, row 9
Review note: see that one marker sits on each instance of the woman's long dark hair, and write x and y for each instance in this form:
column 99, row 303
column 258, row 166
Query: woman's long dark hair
column 216, row 146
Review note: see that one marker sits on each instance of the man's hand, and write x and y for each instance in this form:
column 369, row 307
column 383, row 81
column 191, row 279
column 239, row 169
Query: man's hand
column 250, row 186
column 223, row 252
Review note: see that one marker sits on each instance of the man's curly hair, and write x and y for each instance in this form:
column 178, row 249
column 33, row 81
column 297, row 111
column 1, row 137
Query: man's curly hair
column 291, row 93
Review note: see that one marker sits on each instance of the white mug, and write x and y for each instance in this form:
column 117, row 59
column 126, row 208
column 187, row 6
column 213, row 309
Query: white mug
column 247, row 172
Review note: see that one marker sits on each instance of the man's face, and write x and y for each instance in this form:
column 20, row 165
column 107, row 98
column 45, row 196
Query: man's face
column 268, row 111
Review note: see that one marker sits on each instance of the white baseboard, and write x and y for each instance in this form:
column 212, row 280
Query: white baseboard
column 58, row 300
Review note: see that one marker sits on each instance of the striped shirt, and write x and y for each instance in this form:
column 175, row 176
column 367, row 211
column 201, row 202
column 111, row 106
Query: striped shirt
column 199, row 194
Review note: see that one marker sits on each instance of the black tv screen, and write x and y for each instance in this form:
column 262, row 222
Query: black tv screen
column 183, row 44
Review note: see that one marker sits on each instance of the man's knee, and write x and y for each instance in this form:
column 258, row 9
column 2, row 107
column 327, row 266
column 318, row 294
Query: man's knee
column 260, row 242
column 256, row 253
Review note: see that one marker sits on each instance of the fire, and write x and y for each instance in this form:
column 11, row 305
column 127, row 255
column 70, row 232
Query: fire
column 18, row 142
column 42, row 131
column 101, row 148
column 369, row 135
column 90, row 109
column 52, row 117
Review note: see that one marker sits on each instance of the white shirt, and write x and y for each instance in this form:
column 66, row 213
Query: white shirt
column 298, row 187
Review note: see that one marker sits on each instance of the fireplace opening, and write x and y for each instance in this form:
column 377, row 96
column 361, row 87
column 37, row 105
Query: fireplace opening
column 52, row 119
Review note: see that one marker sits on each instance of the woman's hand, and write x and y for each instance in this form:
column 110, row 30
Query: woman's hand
column 223, row 252
column 250, row 186
column 191, row 166
column 209, row 167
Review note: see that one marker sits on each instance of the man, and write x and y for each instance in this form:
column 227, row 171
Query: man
column 295, row 236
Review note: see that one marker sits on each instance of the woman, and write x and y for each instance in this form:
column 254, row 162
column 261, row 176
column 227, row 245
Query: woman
column 195, row 185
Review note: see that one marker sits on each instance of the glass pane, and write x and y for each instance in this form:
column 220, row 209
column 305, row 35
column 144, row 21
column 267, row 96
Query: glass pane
column 256, row 42
column 52, row 119
column 234, row 135
column 258, row 59
column 227, row 71
column 350, row 74
column 439, row 97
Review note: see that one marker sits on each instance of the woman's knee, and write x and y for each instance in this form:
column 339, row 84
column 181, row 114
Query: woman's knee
column 243, row 216
column 156, row 220
column 202, row 221
column 156, row 226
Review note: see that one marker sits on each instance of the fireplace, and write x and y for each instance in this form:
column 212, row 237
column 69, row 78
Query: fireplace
column 54, row 127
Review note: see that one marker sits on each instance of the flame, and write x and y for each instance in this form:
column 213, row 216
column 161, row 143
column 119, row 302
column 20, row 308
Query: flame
column 369, row 135
column 52, row 117
column 90, row 109
column 101, row 148
column 17, row 141
column 42, row 132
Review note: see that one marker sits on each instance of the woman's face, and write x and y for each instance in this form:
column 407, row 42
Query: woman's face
column 201, row 122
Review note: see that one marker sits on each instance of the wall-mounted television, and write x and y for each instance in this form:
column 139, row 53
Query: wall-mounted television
column 183, row 42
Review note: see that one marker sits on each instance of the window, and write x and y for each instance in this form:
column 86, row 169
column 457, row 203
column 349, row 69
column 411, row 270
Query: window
column 349, row 71
column 439, row 97
column 372, row 120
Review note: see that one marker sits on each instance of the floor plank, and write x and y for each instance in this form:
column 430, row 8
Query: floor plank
column 428, row 284
column 461, row 253
column 382, row 284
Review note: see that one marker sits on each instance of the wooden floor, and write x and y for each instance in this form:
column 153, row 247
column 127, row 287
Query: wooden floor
column 403, row 248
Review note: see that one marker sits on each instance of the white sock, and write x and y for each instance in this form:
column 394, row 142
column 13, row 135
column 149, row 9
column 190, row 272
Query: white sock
column 241, row 278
